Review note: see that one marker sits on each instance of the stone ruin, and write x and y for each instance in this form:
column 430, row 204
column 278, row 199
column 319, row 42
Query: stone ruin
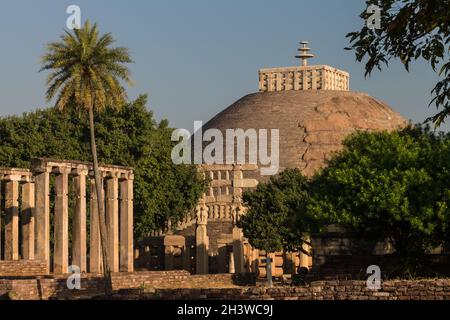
column 314, row 110
column 209, row 240
column 35, row 231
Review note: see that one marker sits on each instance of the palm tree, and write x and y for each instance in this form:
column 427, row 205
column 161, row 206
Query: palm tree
column 87, row 73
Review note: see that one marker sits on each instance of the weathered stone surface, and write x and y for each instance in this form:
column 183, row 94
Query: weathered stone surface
column 179, row 285
column 312, row 123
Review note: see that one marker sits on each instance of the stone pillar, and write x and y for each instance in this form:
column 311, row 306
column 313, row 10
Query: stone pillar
column 95, row 249
column 304, row 258
column 187, row 257
column 61, row 218
column 238, row 250
column 28, row 231
column 126, row 226
column 238, row 247
column 202, row 240
column 79, row 221
column 290, row 263
column 42, row 219
column 231, row 264
column 222, row 258
column 12, row 220
column 112, row 221
column 168, row 258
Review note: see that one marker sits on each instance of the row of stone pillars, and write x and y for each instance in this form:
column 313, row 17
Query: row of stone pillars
column 35, row 219
column 14, row 183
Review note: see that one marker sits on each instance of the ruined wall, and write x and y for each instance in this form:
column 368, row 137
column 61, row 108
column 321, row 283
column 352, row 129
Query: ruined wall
column 92, row 285
column 23, row 268
column 438, row 289
column 180, row 286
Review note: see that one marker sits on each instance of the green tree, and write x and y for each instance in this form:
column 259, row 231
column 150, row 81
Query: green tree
column 86, row 73
column 277, row 219
column 128, row 136
column 410, row 30
column 389, row 186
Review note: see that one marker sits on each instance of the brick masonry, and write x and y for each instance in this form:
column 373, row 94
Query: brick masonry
column 22, row 268
column 320, row 290
column 180, row 285
column 52, row 287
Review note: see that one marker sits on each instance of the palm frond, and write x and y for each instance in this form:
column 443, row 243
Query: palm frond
column 86, row 70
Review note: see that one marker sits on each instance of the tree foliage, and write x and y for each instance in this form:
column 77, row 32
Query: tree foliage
column 86, row 70
column 384, row 186
column 276, row 219
column 410, row 30
column 392, row 186
column 129, row 137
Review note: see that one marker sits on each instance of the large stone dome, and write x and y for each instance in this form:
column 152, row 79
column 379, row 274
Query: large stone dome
column 311, row 123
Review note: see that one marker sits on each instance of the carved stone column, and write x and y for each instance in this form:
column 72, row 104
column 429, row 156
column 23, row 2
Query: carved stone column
column 12, row 220
column 61, row 251
column 95, row 248
column 28, row 216
column 112, row 221
column 42, row 219
column 79, row 221
column 202, row 239
column 126, row 225
column 238, row 247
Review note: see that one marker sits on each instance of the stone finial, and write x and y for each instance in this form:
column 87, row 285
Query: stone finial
column 304, row 55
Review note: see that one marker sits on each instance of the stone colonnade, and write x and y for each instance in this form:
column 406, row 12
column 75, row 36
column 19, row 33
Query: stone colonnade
column 69, row 178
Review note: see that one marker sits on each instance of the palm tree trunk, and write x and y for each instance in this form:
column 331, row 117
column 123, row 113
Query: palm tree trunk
column 101, row 208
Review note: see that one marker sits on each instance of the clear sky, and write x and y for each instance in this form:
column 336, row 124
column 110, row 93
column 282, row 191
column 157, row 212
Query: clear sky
column 196, row 57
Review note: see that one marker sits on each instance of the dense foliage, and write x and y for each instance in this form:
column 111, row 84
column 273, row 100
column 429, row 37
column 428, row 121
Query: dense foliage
column 410, row 30
column 382, row 187
column 273, row 210
column 129, row 137
column 392, row 186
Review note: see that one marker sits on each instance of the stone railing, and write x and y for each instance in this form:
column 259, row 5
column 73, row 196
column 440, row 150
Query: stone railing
column 320, row 77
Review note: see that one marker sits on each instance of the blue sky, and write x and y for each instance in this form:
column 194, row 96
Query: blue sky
column 196, row 57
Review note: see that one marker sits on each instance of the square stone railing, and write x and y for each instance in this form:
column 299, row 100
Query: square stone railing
column 319, row 77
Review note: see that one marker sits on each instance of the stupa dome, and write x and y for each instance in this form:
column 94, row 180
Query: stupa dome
column 312, row 123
